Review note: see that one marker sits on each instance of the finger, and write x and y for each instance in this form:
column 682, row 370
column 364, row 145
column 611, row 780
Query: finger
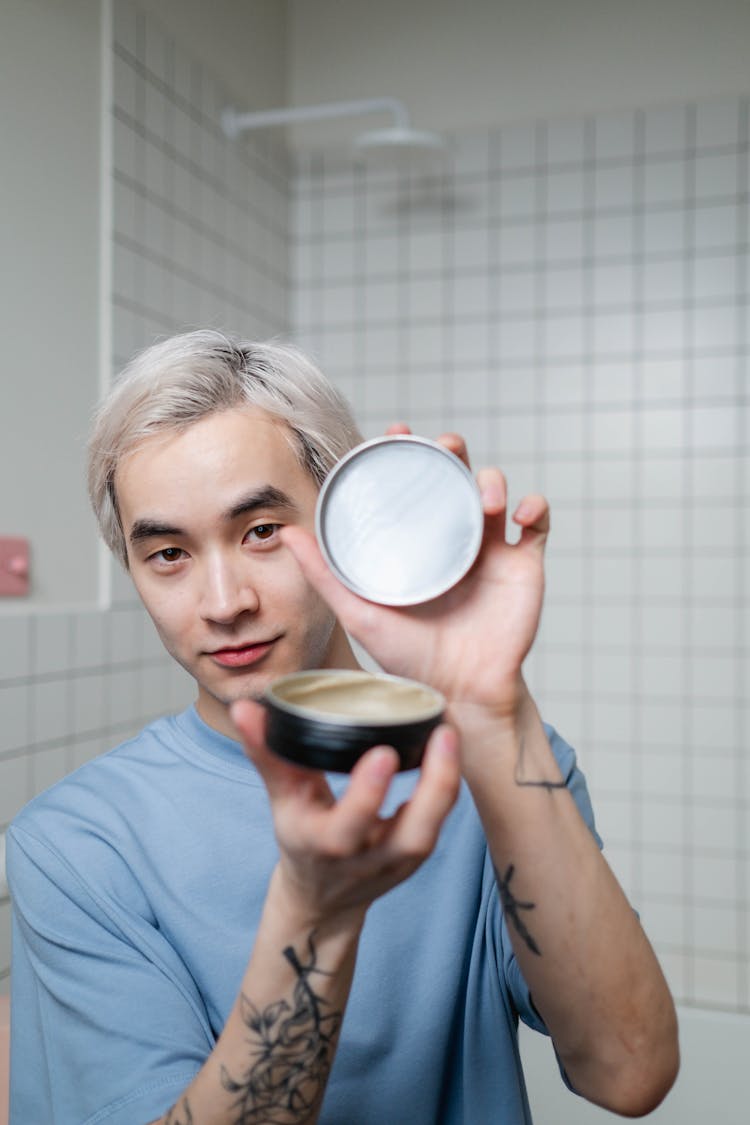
column 398, row 428
column 281, row 778
column 494, row 491
column 350, row 824
column 353, row 612
column 533, row 516
column 417, row 824
column 456, row 445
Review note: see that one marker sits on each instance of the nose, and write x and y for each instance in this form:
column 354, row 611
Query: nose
column 228, row 589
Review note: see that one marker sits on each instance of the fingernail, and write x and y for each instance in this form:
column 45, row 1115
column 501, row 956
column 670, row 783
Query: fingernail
column 522, row 512
column 492, row 493
column 445, row 743
column 380, row 764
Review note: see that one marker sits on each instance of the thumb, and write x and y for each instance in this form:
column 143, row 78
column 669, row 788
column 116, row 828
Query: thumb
column 353, row 612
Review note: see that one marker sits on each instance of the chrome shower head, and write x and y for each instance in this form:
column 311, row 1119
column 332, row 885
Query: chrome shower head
column 400, row 144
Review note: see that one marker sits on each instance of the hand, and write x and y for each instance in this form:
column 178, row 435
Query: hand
column 337, row 857
column 469, row 643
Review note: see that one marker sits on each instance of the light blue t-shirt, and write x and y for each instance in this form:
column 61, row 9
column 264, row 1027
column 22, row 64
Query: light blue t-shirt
column 137, row 886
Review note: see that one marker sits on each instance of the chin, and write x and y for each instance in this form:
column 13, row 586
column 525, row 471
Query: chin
column 249, row 689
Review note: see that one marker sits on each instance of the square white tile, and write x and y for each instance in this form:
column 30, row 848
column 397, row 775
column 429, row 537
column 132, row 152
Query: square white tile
column 566, row 141
column 15, row 646
column 52, row 643
column 15, row 710
column 53, row 717
column 665, row 129
column 518, row 146
column 565, row 191
column 517, row 198
column 14, row 787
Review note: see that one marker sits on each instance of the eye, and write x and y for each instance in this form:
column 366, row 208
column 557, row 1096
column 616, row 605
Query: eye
column 264, row 531
column 170, row 555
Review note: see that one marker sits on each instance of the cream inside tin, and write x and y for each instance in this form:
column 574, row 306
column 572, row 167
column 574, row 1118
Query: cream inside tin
column 358, row 695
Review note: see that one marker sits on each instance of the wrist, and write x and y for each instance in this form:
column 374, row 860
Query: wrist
column 505, row 745
column 505, row 718
column 293, row 908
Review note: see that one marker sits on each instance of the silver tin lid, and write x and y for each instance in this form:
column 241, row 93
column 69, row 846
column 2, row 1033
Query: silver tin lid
column 399, row 520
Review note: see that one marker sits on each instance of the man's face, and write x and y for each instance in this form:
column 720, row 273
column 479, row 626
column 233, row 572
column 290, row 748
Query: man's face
column 201, row 513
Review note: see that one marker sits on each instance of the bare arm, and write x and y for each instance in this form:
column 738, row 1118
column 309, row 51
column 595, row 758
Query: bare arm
column 273, row 1058
column 591, row 971
column 583, row 953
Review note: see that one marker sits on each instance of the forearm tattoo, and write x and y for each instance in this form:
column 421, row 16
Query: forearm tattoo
column 512, row 906
column 532, row 783
column 292, row 1046
column 177, row 1116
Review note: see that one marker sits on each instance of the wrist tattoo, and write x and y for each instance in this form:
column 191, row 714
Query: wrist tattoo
column 531, row 783
column 292, row 1045
column 512, row 906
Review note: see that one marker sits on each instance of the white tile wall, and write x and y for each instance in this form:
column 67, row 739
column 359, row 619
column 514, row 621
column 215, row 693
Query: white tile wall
column 200, row 223
column 574, row 295
column 200, row 237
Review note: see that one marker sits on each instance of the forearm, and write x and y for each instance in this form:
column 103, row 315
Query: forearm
column 275, row 1053
column 590, row 969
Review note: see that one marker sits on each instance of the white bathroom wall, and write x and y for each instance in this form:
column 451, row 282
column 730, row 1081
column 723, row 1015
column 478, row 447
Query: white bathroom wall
column 242, row 42
column 491, row 62
column 49, row 285
column 572, row 294
column 199, row 237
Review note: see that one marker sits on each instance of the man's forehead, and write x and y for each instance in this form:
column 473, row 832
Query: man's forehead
column 226, row 455
column 216, row 425
column 248, row 434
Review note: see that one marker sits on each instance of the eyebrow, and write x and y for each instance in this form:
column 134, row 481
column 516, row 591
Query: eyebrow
column 266, row 497
column 262, row 498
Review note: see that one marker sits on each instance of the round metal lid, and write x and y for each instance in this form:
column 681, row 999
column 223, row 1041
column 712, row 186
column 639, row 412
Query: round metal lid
column 399, row 520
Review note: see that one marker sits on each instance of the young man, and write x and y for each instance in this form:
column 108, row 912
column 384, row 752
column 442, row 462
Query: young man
column 204, row 932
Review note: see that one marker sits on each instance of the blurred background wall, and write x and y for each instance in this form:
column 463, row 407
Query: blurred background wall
column 568, row 286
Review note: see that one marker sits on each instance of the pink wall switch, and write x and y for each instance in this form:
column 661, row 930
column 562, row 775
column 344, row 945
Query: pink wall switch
column 14, row 567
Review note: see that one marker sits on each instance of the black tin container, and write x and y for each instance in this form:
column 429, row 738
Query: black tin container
column 326, row 718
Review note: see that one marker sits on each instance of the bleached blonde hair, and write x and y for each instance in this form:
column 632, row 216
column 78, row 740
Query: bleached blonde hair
column 173, row 384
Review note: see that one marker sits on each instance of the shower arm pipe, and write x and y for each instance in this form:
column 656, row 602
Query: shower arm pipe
column 234, row 123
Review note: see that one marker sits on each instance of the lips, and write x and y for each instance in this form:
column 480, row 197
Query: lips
column 241, row 656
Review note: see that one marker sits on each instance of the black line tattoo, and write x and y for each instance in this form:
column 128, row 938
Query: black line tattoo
column 173, row 1119
column 293, row 1047
column 520, row 780
column 512, row 906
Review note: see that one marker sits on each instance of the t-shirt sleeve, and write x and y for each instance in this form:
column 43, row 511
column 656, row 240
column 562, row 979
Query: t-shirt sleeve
column 107, row 1024
column 576, row 784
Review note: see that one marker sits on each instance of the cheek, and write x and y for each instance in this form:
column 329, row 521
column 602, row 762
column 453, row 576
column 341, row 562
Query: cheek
column 169, row 612
column 302, row 605
column 310, row 601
